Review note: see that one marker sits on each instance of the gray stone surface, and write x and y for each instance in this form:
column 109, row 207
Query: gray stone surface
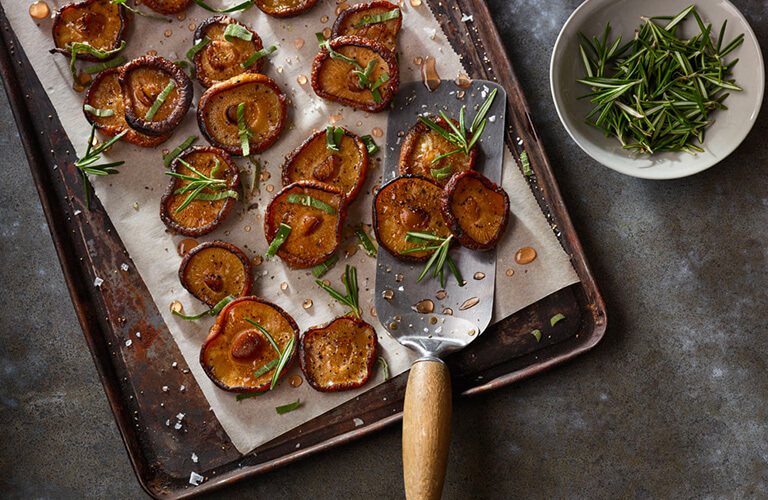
column 672, row 404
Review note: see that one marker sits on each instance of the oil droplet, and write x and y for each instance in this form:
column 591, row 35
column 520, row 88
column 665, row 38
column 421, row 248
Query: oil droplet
column 181, row 16
column 373, row 312
column 359, row 124
column 302, row 79
column 270, row 188
column 393, row 326
column 295, row 381
column 433, row 320
column 399, row 277
column 388, row 294
column 429, row 76
column 307, row 303
column 185, row 246
column 247, row 229
column 463, row 81
column 192, row 27
column 425, row 306
column 283, row 286
column 448, row 311
column 279, row 69
column 327, row 283
column 469, row 303
column 415, row 3
column 341, row 7
column 525, row 255
column 327, row 31
column 298, row 42
column 417, row 61
column 168, row 33
column 257, row 260
column 472, row 332
column 324, row 19
column 176, row 306
column 478, row 276
column 152, row 52
column 460, row 94
column 39, row 10
column 350, row 250
column 510, row 272
column 377, row 132
column 165, row 152
column 336, row 118
column 264, row 176
column 441, row 294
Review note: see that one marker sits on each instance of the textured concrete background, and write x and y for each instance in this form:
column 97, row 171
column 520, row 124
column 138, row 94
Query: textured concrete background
column 672, row 404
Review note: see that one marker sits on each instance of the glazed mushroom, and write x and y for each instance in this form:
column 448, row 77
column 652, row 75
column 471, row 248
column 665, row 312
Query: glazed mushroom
column 99, row 23
column 407, row 204
column 379, row 21
column 215, row 270
column 167, row 7
column 264, row 113
column 224, row 56
column 339, row 355
column 157, row 94
column 335, row 78
column 314, row 212
column 200, row 216
column 105, row 94
column 422, row 145
column 343, row 165
column 285, row 8
column 237, row 354
column 475, row 209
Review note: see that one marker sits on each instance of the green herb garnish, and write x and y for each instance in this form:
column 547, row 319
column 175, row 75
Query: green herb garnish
column 655, row 92
column 211, row 312
column 308, row 201
column 197, row 48
column 243, row 130
column 264, row 369
column 351, row 298
column 370, row 144
column 365, row 240
column 439, row 258
column 537, row 334
column 525, row 163
column 168, row 159
column 384, row 367
column 186, row 65
column 92, row 155
column 101, row 113
column 319, row 270
column 333, row 137
column 117, row 61
column 235, row 30
column 282, row 355
column 198, row 184
column 75, row 48
column 160, row 100
column 556, row 319
column 258, row 55
column 241, row 6
column 377, row 18
column 280, row 237
column 363, row 74
column 289, row 407
column 140, row 13
column 441, row 173
column 246, row 395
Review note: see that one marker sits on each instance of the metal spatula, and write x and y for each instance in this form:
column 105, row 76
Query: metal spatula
column 424, row 317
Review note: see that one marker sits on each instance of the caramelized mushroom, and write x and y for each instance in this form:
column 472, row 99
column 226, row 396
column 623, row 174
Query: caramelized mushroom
column 407, row 204
column 221, row 59
column 339, row 355
column 344, row 169
column 264, row 112
column 422, row 146
column 98, row 23
column 475, row 209
column 200, row 217
column 143, row 80
column 333, row 78
column 285, row 8
column 315, row 233
column 358, row 20
column 167, row 6
column 235, row 349
column 105, row 93
column 214, row 270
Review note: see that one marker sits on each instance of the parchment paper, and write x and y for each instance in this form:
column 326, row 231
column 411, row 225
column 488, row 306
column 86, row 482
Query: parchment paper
column 132, row 199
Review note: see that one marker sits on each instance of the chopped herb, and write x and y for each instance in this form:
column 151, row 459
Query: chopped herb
column 289, row 407
column 140, row 13
column 537, row 334
column 245, row 132
column 160, row 100
column 370, row 144
column 525, row 163
column 186, row 65
column 212, row 312
column 117, row 61
column 264, row 369
column 439, row 258
column 235, row 30
column 241, row 6
column 198, row 184
column 351, row 298
column 101, row 113
column 86, row 163
column 75, row 48
column 168, row 159
column 280, row 237
column 556, row 319
column 308, row 201
column 365, row 240
column 377, row 18
column 319, row 270
column 441, row 173
column 333, row 137
column 256, row 173
column 247, row 395
column 384, row 368
column 283, row 355
column 197, row 48
column 363, row 74
column 258, row 55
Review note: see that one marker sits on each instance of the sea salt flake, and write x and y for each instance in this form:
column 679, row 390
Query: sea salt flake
column 182, row 388
column 298, row 445
column 138, row 334
column 358, row 421
column 78, row 212
column 177, row 426
column 196, row 479
column 124, row 266
column 465, row 18
column 174, row 364
column 165, row 388
column 492, row 118
column 98, row 282
column 194, row 458
column 128, row 343
column 168, row 423
column 180, row 416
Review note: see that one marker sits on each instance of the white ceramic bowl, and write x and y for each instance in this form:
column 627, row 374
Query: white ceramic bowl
column 721, row 138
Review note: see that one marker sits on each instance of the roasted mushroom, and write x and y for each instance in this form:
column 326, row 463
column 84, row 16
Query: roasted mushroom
column 104, row 94
column 264, row 113
column 236, row 350
column 362, row 73
column 339, row 355
column 99, row 23
column 344, row 169
column 285, row 8
column 378, row 20
column 203, row 213
column 167, row 7
column 315, row 213
column 223, row 57
column 422, row 146
column 475, row 209
column 215, row 270
column 407, row 204
column 157, row 94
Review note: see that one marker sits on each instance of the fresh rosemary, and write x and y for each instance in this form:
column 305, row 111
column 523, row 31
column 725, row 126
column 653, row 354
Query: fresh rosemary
column 333, row 137
column 282, row 234
column 159, row 100
column 308, row 201
column 289, row 407
column 439, row 258
column 124, row 3
column 245, row 132
column 363, row 74
column 351, row 298
column 258, row 55
column 168, row 159
column 283, row 355
column 370, row 144
column 365, row 240
column 92, row 155
column 319, row 270
column 75, row 48
column 241, row 6
column 211, row 312
column 377, row 18
column 198, row 184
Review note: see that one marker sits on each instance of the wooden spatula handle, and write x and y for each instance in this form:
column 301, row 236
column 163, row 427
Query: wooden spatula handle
column 426, row 429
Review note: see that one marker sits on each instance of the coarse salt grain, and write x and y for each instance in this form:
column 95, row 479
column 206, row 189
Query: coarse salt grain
column 465, row 18
column 128, row 343
column 194, row 458
column 180, row 416
column 177, row 426
column 358, row 421
column 168, row 423
column 165, row 388
column 182, row 388
column 98, row 282
column 78, row 212
column 492, row 118
column 124, row 266
column 174, row 364
column 138, row 334
column 196, row 479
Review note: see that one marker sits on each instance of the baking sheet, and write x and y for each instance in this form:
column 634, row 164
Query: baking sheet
column 252, row 422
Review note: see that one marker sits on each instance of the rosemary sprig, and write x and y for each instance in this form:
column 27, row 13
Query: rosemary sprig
column 160, row 100
column 140, row 13
column 377, row 18
column 439, row 258
column 351, row 298
column 319, row 270
column 363, row 74
column 241, row 6
column 282, row 234
column 75, row 48
column 283, row 355
column 308, row 201
column 197, row 48
column 289, row 407
column 365, row 240
column 258, row 55
column 245, row 132
column 198, row 184
column 117, row 61
column 168, row 159
column 384, row 368
column 92, row 155
column 333, row 137
column 211, row 312
column 370, row 144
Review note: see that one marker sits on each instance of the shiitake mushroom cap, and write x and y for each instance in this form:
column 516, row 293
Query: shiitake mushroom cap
column 85, row 22
column 315, row 234
column 105, row 93
column 338, row 355
column 345, row 169
column 333, row 79
column 214, row 270
column 216, row 104
column 227, row 55
column 409, row 203
column 200, row 217
column 384, row 32
column 284, row 8
column 167, row 7
column 235, row 349
column 475, row 209
column 148, row 70
column 421, row 145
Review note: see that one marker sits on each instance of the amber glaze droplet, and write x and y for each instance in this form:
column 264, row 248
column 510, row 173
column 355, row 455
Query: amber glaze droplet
column 510, row 272
column 399, row 277
column 39, row 10
column 302, row 79
column 307, row 303
column 469, row 303
column 415, row 3
column 324, row 19
column 460, row 94
column 377, row 132
column 388, row 294
column 257, row 260
column 327, row 32
column 393, row 326
column 181, row 16
column 298, row 42
column 168, row 33
column 341, row 7
column 185, row 246
column 425, row 306
column 525, row 255
column 373, row 312
column 441, row 294
column 176, row 306
column 283, row 286
column 417, row 61
column 295, row 381
column 478, row 276
column 448, row 311
column 429, row 76
column 463, row 81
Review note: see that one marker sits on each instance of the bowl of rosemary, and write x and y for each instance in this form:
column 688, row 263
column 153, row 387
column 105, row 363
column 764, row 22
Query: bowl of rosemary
column 658, row 89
